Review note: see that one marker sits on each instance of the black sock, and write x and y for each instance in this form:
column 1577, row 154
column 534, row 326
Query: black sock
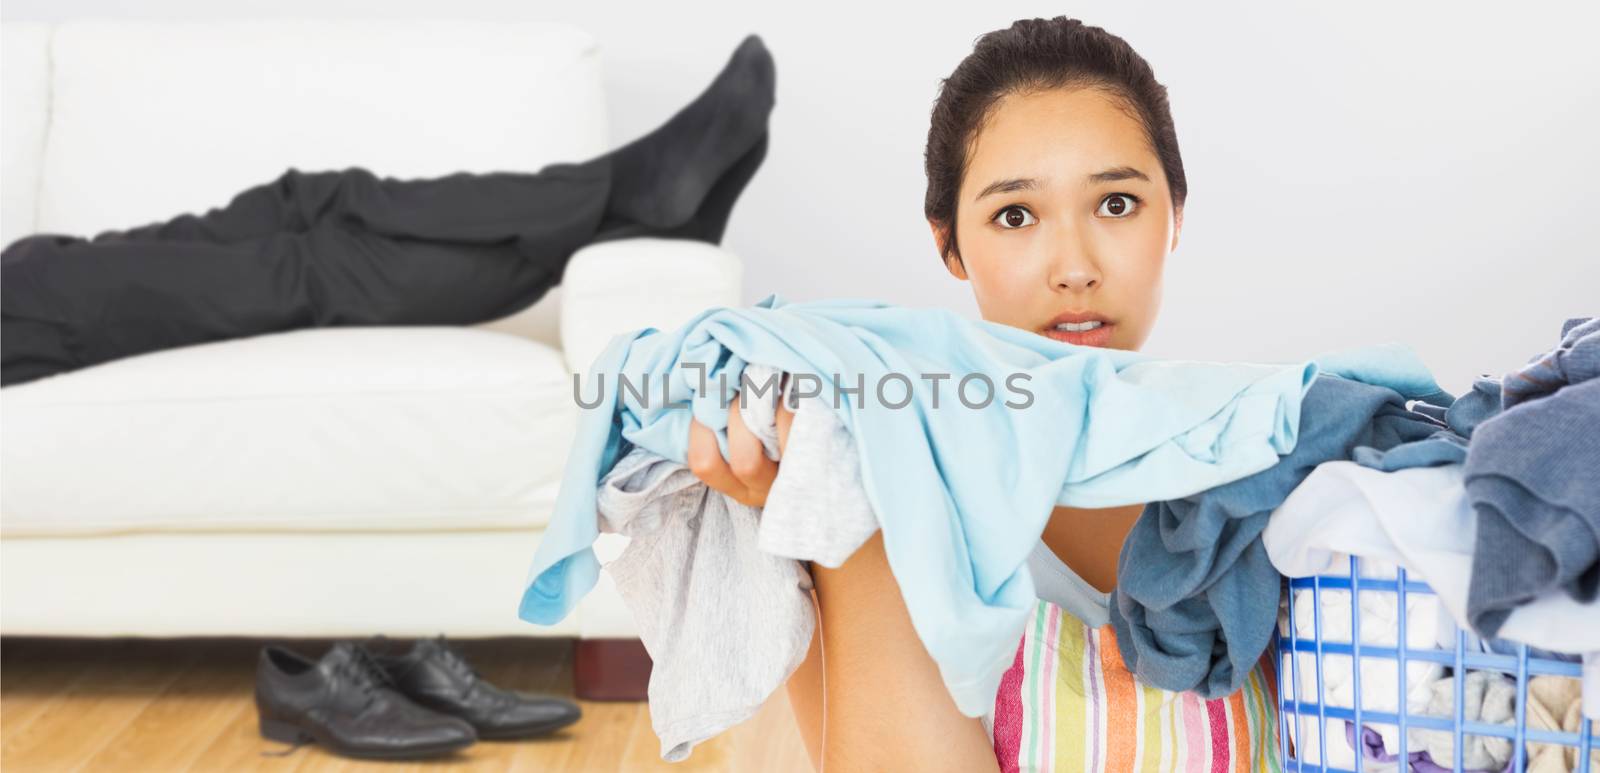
column 711, row 220
column 662, row 179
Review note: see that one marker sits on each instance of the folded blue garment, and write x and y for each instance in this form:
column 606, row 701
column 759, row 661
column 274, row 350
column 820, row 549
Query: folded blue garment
column 961, row 493
column 1531, row 478
column 1196, row 594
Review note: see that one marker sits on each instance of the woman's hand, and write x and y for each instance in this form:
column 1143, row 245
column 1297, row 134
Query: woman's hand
column 748, row 474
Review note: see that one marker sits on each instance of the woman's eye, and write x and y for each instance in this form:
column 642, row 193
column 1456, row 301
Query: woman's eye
column 1117, row 205
column 1014, row 217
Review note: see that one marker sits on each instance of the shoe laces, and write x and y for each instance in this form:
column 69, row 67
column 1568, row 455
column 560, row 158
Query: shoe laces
column 364, row 671
column 287, row 751
column 456, row 660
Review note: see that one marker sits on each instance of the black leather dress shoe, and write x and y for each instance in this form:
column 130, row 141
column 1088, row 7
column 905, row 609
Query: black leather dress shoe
column 346, row 703
column 435, row 675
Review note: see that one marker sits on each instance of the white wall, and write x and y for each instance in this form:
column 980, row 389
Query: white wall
column 1358, row 172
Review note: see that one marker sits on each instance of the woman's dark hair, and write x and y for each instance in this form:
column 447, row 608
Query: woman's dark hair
column 1033, row 55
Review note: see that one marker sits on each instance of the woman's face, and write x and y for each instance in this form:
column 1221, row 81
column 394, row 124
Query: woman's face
column 1064, row 216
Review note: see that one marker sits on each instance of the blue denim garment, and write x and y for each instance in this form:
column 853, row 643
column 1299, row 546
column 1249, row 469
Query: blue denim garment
column 1449, row 444
column 1573, row 361
column 1197, row 597
column 961, row 494
column 1533, row 478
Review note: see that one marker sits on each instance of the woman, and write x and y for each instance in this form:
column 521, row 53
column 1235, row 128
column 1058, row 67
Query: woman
column 1055, row 188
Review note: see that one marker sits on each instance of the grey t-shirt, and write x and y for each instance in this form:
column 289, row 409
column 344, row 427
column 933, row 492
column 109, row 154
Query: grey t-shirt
column 1055, row 582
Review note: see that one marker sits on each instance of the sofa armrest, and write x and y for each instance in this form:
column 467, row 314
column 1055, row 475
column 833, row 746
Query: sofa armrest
column 617, row 286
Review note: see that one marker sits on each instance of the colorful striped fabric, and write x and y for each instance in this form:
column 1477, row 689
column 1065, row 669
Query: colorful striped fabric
column 1069, row 704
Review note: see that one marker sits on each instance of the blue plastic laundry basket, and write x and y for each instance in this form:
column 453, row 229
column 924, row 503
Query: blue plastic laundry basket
column 1294, row 706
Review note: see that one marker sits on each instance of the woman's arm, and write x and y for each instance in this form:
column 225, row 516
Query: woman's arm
column 886, row 706
column 805, row 691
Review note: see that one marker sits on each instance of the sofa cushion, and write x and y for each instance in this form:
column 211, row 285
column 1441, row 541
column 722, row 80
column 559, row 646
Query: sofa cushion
column 369, row 428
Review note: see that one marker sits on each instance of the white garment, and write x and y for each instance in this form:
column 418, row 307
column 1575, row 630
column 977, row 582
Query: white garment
column 1419, row 518
column 817, row 509
column 724, row 622
column 1489, row 697
column 716, row 588
column 1380, row 685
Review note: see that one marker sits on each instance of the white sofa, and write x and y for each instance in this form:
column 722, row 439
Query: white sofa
column 318, row 482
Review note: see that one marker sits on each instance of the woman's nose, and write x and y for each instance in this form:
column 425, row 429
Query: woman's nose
column 1075, row 274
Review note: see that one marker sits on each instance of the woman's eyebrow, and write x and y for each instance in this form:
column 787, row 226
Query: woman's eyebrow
column 1119, row 173
column 1007, row 186
column 1030, row 183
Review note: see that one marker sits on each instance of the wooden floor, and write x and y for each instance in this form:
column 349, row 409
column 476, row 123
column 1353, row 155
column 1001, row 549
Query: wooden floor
column 186, row 704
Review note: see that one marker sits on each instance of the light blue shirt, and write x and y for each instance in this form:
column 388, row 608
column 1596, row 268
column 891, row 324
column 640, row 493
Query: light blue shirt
column 961, row 494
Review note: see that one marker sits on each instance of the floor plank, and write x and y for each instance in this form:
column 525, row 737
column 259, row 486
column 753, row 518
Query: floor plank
column 188, row 705
column 172, row 731
column 76, row 721
column 38, row 677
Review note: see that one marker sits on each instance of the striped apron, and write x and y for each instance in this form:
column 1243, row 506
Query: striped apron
column 1068, row 704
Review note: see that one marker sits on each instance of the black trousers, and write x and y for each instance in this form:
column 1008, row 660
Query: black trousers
column 313, row 249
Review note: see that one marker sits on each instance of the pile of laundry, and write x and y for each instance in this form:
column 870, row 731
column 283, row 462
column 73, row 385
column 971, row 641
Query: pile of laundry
column 1555, row 703
column 1499, row 513
column 961, row 488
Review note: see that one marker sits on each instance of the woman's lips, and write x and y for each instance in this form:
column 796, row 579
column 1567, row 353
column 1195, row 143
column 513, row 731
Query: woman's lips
column 1099, row 336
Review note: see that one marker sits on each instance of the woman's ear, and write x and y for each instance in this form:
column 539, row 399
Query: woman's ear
column 952, row 263
column 1177, row 228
